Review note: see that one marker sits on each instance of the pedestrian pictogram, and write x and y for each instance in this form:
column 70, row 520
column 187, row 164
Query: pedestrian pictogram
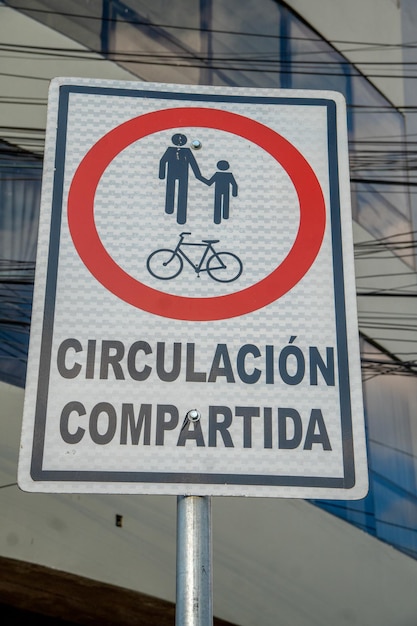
column 194, row 326
column 174, row 169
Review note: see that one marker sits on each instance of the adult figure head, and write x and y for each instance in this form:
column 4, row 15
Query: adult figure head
column 179, row 139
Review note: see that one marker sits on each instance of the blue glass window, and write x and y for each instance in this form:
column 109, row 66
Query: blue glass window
column 20, row 181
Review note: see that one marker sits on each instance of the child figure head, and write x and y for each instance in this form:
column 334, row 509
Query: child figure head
column 223, row 165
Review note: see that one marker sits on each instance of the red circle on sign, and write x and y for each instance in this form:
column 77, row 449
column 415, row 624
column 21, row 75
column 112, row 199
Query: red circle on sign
column 96, row 258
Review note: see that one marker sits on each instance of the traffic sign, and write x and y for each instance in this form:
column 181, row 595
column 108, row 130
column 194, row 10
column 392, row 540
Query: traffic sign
column 194, row 325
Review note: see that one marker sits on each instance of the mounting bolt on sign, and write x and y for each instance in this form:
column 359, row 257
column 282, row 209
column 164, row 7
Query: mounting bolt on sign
column 194, row 415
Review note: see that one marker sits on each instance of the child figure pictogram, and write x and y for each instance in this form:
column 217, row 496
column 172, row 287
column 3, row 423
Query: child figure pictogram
column 224, row 182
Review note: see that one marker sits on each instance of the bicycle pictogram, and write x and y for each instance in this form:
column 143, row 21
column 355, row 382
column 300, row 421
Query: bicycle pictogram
column 166, row 264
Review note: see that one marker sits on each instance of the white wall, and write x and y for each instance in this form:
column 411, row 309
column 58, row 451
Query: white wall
column 27, row 75
column 371, row 21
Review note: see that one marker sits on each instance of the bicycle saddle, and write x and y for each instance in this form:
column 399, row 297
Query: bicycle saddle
column 210, row 240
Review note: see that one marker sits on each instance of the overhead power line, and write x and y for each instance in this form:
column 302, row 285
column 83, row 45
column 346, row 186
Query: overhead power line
column 147, row 23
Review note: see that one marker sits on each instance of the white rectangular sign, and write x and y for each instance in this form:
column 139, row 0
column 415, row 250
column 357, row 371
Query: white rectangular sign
column 194, row 324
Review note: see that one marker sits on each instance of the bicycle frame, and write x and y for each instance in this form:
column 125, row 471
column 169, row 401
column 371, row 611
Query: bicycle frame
column 208, row 248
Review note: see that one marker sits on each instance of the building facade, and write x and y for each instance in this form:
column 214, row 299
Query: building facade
column 319, row 44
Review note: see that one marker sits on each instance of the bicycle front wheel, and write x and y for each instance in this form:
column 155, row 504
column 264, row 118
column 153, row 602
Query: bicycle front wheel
column 164, row 264
column 225, row 267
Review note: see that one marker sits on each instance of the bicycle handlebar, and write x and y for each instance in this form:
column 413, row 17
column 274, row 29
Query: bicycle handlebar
column 182, row 234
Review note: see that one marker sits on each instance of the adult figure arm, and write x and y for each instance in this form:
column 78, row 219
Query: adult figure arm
column 194, row 166
column 163, row 163
column 234, row 186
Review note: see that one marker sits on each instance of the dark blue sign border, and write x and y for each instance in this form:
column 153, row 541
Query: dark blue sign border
column 37, row 471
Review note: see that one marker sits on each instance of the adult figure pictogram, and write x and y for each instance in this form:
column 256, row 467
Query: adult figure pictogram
column 174, row 167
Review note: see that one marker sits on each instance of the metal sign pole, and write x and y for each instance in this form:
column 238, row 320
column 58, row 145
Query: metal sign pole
column 194, row 578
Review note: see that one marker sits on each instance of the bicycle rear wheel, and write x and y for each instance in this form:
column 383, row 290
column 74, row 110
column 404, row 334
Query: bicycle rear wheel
column 164, row 264
column 225, row 267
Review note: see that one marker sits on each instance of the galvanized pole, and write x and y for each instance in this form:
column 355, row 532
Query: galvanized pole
column 194, row 576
